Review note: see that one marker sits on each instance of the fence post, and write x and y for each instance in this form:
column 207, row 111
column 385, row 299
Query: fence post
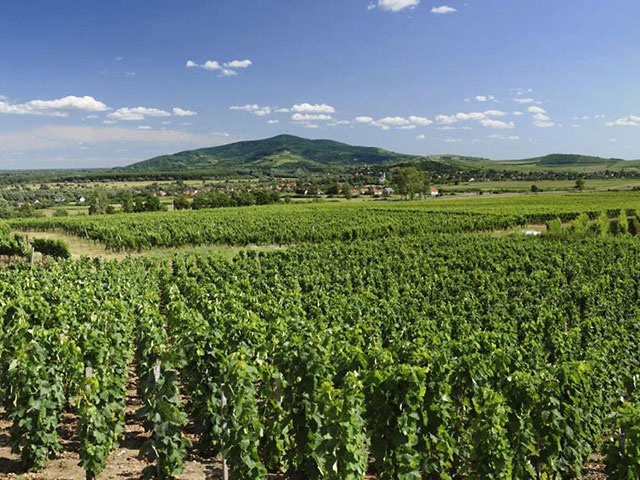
column 223, row 404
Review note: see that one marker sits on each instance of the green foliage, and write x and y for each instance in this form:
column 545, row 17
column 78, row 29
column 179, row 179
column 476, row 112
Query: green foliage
column 98, row 202
column 4, row 230
column 554, row 228
column 623, row 451
column 157, row 365
column 410, row 182
column 51, row 247
column 15, row 246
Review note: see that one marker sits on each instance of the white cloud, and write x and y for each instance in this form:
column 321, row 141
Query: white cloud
column 540, row 124
column 489, row 122
column 422, row 121
column 397, row 5
column 524, row 101
column 227, row 69
column 307, row 117
column 253, row 108
column 408, row 127
column 518, row 114
column 452, row 140
column 179, row 112
column 536, row 110
column 421, row 137
column 144, row 127
column 313, row 108
column 137, row 113
column 364, row 119
column 484, row 98
column 282, row 110
column 60, row 107
column 239, row 64
column 273, row 122
column 630, row 121
column 444, row 9
column 503, row 137
column 541, row 117
column 226, row 72
column 246, row 108
column 311, row 125
column 341, row 122
column 465, row 117
column 395, row 121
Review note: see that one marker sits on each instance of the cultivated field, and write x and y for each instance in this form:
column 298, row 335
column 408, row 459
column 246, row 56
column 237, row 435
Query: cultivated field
column 389, row 340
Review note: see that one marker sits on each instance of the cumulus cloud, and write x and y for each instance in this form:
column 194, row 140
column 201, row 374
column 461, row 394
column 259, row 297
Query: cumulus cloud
column 444, row 9
column 311, row 125
column 485, row 118
column 630, row 121
column 227, row 69
column 409, row 123
column 397, row 5
column 308, row 117
column 503, row 137
column 239, row 64
column 273, row 122
column 421, row 121
column 60, row 107
column 484, row 98
column 535, row 109
column 179, row 112
column 524, row 101
column 137, row 113
column 394, row 121
column 489, row 122
column 540, row 117
column 253, row 108
column 313, row 108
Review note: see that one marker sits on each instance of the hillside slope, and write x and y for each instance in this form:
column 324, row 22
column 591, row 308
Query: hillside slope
column 291, row 154
column 283, row 151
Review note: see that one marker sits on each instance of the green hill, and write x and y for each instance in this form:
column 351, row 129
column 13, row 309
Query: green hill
column 281, row 152
column 291, row 154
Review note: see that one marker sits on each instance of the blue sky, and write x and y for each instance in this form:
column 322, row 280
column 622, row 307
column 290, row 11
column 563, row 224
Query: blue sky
column 88, row 84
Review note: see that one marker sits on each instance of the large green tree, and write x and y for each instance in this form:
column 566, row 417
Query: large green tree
column 410, row 182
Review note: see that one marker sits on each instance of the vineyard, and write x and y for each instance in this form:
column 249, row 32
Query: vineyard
column 389, row 341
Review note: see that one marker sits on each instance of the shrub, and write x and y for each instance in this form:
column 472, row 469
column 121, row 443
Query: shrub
column 51, row 247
